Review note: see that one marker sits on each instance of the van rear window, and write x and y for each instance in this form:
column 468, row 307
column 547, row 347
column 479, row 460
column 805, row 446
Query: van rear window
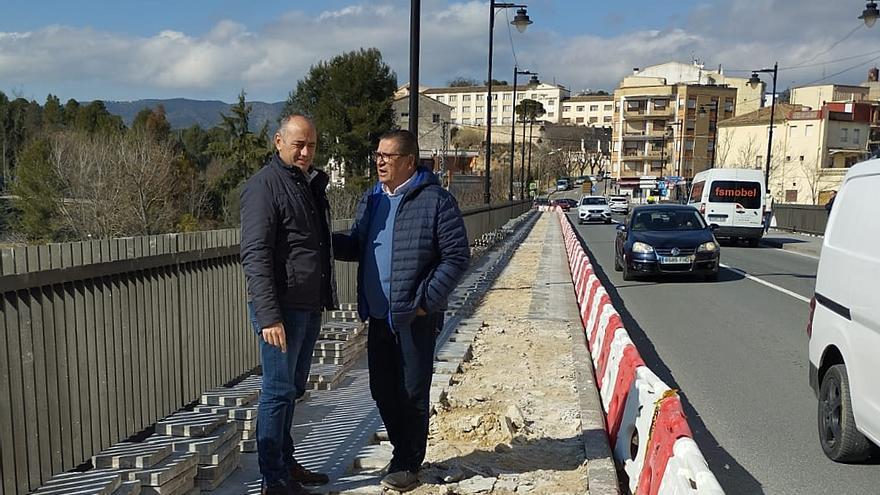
column 697, row 191
column 747, row 194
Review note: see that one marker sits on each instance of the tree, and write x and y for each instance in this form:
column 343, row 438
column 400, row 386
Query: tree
column 462, row 82
column 529, row 110
column 349, row 98
column 152, row 122
column 37, row 188
column 53, row 114
column 495, row 82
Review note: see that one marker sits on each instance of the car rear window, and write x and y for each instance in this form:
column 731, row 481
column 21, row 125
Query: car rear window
column 593, row 201
column 745, row 193
column 667, row 220
column 697, row 191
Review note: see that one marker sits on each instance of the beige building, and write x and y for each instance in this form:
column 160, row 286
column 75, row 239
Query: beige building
column 815, row 97
column 748, row 98
column 665, row 130
column 469, row 106
column 589, row 110
column 812, row 149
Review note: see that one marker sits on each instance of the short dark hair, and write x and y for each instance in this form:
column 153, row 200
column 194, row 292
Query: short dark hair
column 407, row 143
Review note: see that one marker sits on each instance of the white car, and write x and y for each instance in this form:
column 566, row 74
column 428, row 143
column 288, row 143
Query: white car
column 844, row 323
column 619, row 204
column 593, row 208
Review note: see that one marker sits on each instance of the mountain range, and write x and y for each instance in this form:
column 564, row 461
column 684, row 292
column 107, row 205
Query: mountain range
column 182, row 113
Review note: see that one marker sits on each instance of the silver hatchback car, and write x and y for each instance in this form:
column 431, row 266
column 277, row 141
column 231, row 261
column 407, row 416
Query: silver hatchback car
column 619, row 204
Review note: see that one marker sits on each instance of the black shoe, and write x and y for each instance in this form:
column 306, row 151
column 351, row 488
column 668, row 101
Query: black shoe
column 300, row 474
column 401, row 481
column 289, row 488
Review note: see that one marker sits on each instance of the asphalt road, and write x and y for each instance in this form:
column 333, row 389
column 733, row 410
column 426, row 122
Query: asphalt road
column 737, row 351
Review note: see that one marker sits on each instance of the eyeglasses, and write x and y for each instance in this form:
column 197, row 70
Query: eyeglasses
column 299, row 145
column 385, row 156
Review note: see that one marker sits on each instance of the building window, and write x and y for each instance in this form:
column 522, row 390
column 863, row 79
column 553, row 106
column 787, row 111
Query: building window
column 453, row 111
column 507, row 96
column 660, row 104
column 567, row 120
column 465, row 121
column 478, row 109
column 791, row 131
column 435, row 118
column 441, row 98
column 791, row 195
column 580, row 120
column 801, row 158
column 690, row 125
column 494, row 109
column 534, row 96
column 594, row 108
column 480, row 97
column 580, row 108
column 607, row 118
column 857, row 136
column 506, row 108
column 494, row 96
column 759, row 160
column 454, row 121
column 494, row 120
column 689, row 145
column 593, row 120
column 787, row 158
column 453, row 98
column 808, row 130
column 692, row 103
column 550, row 114
column 844, row 134
column 404, row 114
column 728, row 105
column 465, row 97
column 632, row 105
column 608, row 108
column 466, row 109
column 566, row 108
column 478, row 121
column 505, row 120
column 520, row 97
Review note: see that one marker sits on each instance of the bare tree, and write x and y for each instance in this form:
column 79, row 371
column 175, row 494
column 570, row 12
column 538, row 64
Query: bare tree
column 812, row 174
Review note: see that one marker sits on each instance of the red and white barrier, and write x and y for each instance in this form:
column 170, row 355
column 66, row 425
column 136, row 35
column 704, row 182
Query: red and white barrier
column 647, row 428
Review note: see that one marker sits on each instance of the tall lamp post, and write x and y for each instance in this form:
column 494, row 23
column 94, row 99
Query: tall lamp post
column 870, row 14
column 755, row 80
column 533, row 81
column 414, row 29
column 521, row 21
column 529, row 172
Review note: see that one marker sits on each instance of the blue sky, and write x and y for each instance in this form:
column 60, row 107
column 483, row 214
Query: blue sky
column 131, row 49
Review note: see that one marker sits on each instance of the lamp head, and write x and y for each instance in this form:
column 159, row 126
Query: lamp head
column 521, row 21
column 533, row 81
column 870, row 14
column 754, row 80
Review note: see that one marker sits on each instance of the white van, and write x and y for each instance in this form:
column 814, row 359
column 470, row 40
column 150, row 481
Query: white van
column 733, row 199
column 844, row 324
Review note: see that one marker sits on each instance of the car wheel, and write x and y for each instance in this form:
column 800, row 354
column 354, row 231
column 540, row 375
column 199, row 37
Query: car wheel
column 753, row 241
column 607, row 221
column 617, row 266
column 627, row 273
column 840, row 440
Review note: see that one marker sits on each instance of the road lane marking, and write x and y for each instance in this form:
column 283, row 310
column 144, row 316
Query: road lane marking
column 764, row 282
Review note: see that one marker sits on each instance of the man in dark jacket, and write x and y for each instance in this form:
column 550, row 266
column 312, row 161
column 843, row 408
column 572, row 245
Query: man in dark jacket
column 287, row 258
column 410, row 241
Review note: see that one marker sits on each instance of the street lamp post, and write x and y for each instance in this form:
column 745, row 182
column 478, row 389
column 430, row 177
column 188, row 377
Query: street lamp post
column 529, row 173
column 521, row 21
column 532, row 83
column 754, row 80
column 414, row 28
column 870, row 14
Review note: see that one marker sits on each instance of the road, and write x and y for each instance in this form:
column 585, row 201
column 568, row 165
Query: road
column 737, row 350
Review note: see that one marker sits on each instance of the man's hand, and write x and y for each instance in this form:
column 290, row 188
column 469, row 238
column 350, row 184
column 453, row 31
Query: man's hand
column 274, row 335
column 421, row 312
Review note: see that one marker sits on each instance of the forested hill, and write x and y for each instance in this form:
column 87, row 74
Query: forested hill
column 182, row 113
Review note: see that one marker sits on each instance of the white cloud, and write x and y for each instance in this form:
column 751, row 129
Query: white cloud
column 268, row 60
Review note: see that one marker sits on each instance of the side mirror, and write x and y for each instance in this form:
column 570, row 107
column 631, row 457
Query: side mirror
column 621, row 228
column 713, row 227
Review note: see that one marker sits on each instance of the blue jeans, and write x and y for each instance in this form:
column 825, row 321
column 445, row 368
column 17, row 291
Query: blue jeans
column 284, row 380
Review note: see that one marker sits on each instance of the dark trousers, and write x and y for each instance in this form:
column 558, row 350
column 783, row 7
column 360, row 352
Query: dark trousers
column 400, row 382
column 284, row 380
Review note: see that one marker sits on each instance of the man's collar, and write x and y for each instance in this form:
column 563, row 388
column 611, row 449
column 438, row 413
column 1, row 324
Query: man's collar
column 401, row 188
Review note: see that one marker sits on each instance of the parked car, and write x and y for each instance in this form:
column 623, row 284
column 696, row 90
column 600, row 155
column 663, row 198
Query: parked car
column 540, row 202
column 594, row 208
column 665, row 239
column 734, row 199
column 844, row 322
column 572, row 203
column 563, row 184
column 561, row 203
column 619, row 204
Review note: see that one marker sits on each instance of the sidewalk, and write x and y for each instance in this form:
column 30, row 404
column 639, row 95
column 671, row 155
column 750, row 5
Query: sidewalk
column 792, row 241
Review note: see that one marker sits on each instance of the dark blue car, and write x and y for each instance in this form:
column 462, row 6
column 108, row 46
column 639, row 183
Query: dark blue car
column 660, row 239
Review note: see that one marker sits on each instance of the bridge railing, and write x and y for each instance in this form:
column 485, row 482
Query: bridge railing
column 100, row 339
column 800, row 218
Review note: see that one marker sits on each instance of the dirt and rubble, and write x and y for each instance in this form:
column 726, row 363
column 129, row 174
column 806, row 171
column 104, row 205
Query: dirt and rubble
column 511, row 420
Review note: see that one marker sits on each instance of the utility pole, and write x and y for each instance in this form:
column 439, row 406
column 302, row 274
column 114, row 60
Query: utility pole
column 444, row 136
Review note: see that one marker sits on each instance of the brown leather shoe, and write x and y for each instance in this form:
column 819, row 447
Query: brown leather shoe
column 299, row 473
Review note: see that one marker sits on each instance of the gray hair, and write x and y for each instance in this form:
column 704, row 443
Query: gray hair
column 287, row 119
column 407, row 143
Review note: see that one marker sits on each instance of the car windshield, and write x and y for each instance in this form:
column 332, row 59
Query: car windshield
column 618, row 199
column 593, row 201
column 659, row 220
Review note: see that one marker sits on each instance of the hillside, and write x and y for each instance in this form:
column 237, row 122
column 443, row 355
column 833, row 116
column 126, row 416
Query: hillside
column 182, row 112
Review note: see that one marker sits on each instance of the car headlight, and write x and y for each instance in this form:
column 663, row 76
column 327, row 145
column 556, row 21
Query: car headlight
column 642, row 248
column 707, row 247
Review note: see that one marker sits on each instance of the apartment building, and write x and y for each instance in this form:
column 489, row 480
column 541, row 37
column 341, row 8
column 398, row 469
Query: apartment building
column 748, row 97
column 588, row 110
column 469, row 106
column 812, row 148
column 816, row 96
column 665, row 131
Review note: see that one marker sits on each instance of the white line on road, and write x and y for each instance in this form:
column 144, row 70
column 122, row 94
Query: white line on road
column 764, row 282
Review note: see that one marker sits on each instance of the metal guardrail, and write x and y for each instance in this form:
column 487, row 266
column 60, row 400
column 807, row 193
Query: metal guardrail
column 800, row 218
column 103, row 338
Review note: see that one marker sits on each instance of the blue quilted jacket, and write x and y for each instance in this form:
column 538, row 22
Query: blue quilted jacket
column 429, row 243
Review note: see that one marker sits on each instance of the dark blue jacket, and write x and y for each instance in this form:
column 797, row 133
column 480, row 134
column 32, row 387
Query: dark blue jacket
column 429, row 243
column 285, row 241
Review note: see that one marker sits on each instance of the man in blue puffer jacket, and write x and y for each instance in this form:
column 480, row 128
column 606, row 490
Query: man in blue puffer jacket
column 411, row 244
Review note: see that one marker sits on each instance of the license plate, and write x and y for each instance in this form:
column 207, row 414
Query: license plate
column 675, row 260
column 717, row 217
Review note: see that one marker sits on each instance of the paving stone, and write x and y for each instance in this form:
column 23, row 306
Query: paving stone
column 348, row 306
column 438, row 393
column 441, row 379
column 221, row 453
column 203, row 446
column 446, row 367
column 248, row 434
column 373, row 457
column 177, row 486
column 210, row 477
column 455, row 352
column 129, row 488
column 190, row 424
column 244, row 413
column 246, row 425
column 97, row 482
column 248, row 445
column 229, row 397
column 131, row 455
column 177, row 464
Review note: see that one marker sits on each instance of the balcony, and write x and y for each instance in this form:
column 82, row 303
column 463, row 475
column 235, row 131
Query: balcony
column 644, row 113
